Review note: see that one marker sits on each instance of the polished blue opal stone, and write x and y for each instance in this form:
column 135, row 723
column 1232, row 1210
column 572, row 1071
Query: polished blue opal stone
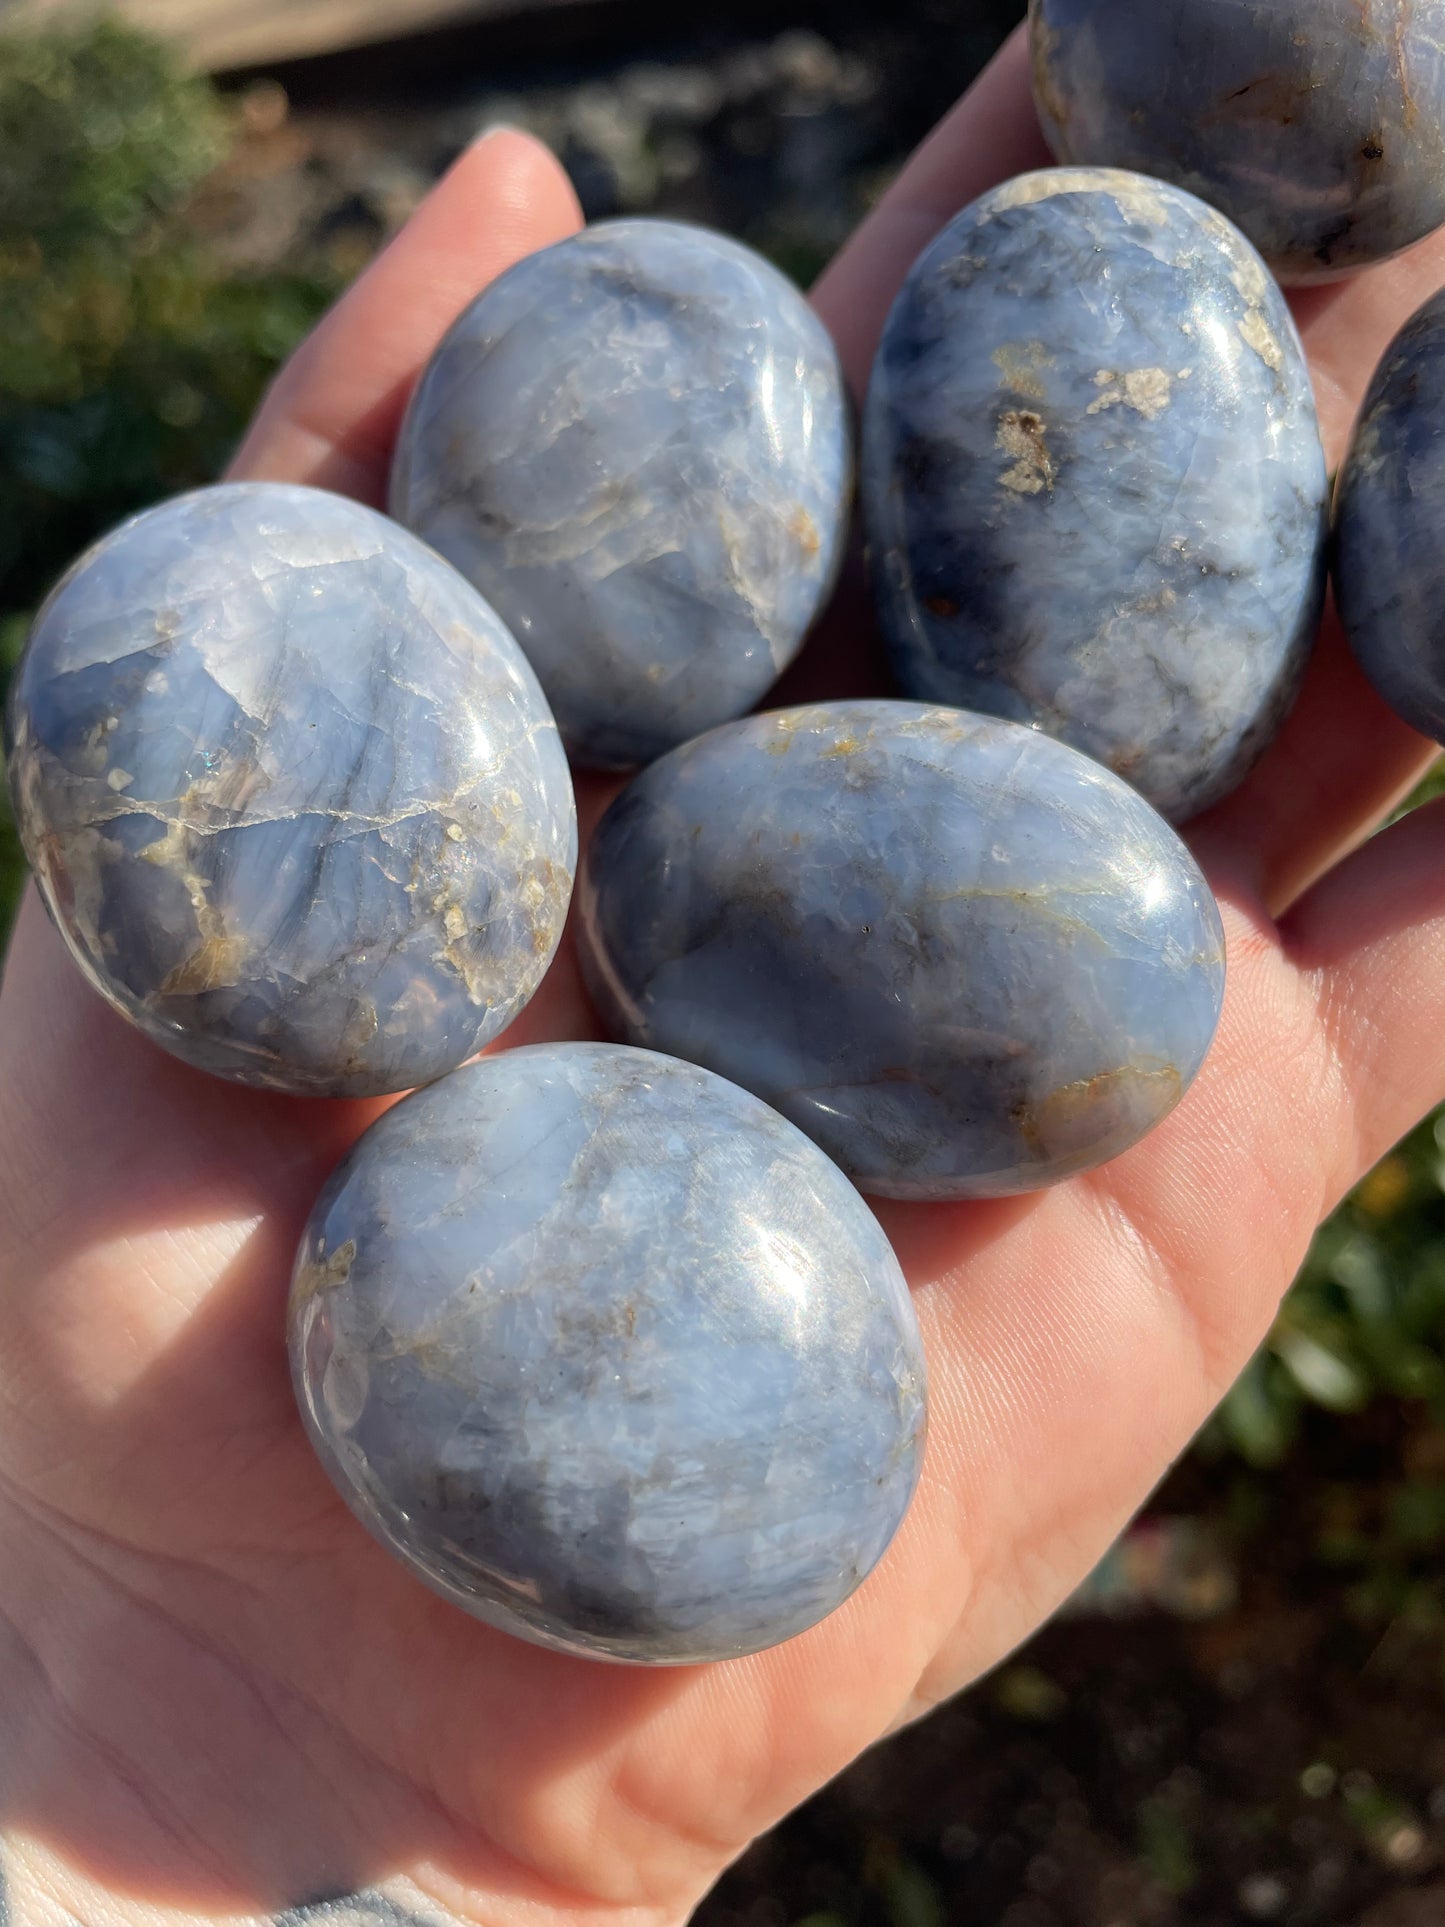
column 1093, row 480
column 963, row 958
column 1390, row 526
column 611, row 1355
column 291, row 792
column 1317, row 125
column 636, row 444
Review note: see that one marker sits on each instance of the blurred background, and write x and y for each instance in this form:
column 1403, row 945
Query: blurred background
column 1242, row 1718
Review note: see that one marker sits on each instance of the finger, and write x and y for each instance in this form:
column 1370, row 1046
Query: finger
column 1343, row 760
column 992, row 134
column 1340, row 765
column 1347, row 328
column 1370, row 939
column 332, row 415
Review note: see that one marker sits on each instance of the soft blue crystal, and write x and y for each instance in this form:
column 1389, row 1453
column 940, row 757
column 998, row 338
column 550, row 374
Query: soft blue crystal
column 636, row 444
column 962, row 957
column 292, row 793
column 1093, row 480
column 1317, row 125
column 1390, row 526
column 610, row 1355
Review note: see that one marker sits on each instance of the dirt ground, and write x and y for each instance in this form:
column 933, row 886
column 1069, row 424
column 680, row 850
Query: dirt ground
column 1278, row 1755
column 776, row 121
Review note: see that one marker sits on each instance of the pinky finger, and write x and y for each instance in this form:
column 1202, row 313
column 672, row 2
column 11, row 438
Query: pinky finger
column 1370, row 938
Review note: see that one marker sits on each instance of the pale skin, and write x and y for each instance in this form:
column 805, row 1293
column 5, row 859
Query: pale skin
column 219, row 1698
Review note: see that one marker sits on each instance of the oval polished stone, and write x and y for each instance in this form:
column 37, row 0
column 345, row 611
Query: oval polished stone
column 1093, row 480
column 610, row 1355
column 637, row 445
column 1390, row 526
column 291, row 791
column 1318, row 126
column 962, row 957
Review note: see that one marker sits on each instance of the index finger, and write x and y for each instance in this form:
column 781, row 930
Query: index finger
column 332, row 414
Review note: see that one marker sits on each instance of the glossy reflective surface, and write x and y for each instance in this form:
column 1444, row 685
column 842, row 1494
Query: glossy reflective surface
column 1093, row 481
column 1317, row 125
column 636, row 444
column 963, row 958
column 610, row 1355
column 291, row 791
column 1390, row 526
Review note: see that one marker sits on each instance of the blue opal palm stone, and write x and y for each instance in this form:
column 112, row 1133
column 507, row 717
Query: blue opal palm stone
column 637, row 445
column 1317, row 125
column 1094, row 487
column 291, row 792
column 965, row 959
column 610, row 1355
column 1390, row 526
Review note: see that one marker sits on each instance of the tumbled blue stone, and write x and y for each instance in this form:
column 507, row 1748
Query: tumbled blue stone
column 291, row 792
column 1390, row 526
column 962, row 957
column 610, row 1355
column 1093, row 480
column 637, row 445
column 1317, row 125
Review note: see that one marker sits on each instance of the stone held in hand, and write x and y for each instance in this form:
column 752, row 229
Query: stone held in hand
column 291, row 792
column 1318, row 126
column 1093, row 483
column 637, row 445
column 610, row 1356
column 964, row 958
column 1389, row 558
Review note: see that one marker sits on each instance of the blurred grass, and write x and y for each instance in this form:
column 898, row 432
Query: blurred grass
column 132, row 359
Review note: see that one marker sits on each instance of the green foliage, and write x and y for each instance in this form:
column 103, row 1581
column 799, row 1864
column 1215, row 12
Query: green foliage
column 131, row 359
column 138, row 378
column 99, row 134
column 1367, row 1318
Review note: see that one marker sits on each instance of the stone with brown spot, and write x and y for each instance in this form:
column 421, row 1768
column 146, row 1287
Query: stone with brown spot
column 1093, row 484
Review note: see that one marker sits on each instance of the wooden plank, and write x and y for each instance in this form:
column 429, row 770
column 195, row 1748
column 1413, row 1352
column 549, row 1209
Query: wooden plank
column 220, row 34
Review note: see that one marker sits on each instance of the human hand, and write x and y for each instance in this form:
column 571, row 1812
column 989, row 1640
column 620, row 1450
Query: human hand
column 220, row 1697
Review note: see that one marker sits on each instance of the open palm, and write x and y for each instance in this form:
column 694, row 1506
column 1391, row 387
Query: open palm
column 218, row 1696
